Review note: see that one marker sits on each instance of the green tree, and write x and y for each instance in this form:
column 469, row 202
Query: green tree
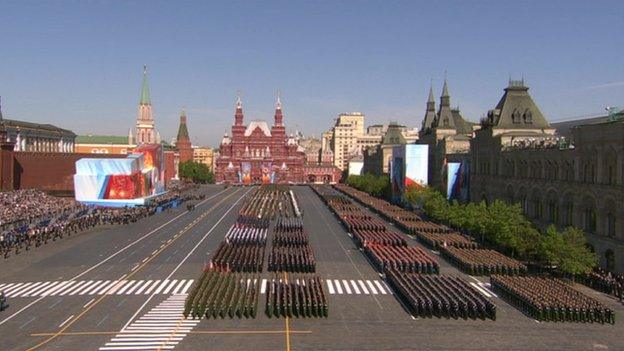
column 196, row 172
column 567, row 250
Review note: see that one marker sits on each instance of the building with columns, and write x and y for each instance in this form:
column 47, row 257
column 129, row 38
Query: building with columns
column 37, row 137
column 517, row 156
column 256, row 153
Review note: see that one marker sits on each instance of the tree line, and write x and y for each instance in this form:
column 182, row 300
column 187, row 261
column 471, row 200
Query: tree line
column 499, row 224
column 196, row 172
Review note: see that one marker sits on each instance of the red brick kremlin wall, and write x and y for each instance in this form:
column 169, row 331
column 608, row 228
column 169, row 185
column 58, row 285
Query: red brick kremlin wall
column 53, row 172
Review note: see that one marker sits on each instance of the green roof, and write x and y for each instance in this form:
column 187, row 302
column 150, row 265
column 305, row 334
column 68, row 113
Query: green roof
column 101, row 139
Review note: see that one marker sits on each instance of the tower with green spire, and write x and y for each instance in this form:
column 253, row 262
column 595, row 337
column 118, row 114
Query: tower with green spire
column 145, row 130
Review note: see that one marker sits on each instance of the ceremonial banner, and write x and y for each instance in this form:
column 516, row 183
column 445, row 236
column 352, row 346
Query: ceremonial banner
column 246, row 172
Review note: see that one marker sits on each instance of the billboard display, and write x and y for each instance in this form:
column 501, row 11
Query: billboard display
column 267, row 173
column 246, row 172
column 458, row 181
column 121, row 182
column 409, row 166
column 452, row 172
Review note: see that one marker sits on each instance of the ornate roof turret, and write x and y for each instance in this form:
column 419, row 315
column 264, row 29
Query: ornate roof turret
column 517, row 110
column 278, row 111
column 183, row 133
column 430, row 114
column 238, row 116
column 445, row 114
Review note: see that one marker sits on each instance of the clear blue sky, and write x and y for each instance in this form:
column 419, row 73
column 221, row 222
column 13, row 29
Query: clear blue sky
column 78, row 64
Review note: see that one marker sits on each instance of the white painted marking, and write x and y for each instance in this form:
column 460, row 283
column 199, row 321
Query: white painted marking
column 45, row 287
column 64, row 288
column 25, row 289
column 388, row 288
column 67, row 320
column 93, row 288
column 187, row 286
column 338, row 287
column 162, row 286
column 179, row 286
column 355, row 287
column 88, row 303
column 173, row 282
column 116, row 287
column 17, row 289
column 480, row 290
column 330, row 287
column 113, row 255
column 56, row 288
column 380, row 287
column 143, row 286
column 139, row 283
column 372, row 287
column 82, row 288
column 126, row 286
column 363, row 287
column 346, row 286
column 156, row 282
column 76, row 286
column 108, row 287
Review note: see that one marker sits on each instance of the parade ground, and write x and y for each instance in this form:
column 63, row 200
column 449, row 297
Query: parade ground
column 92, row 290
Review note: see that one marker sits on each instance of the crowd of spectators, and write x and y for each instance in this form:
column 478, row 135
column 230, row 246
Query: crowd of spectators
column 31, row 217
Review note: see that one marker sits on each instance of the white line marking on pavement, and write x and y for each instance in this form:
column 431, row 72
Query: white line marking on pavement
column 330, row 287
column 188, row 255
column 380, row 287
column 363, row 287
column 338, row 287
column 113, row 255
column 88, row 303
column 480, row 290
column 372, row 288
column 355, row 287
column 147, row 283
column 25, row 289
column 187, row 286
column 346, row 286
column 67, row 320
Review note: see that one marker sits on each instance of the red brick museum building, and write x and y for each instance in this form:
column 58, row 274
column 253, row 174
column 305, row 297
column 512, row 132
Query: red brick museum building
column 257, row 153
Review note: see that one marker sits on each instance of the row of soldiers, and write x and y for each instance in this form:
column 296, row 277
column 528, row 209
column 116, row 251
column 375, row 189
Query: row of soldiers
column 402, row 258
column 298, row 295
column 239, row 257
column 551, row 300
column 365, row 237
column 440, row 296
column 292, row 258
column 484, row 261
column 220, row 294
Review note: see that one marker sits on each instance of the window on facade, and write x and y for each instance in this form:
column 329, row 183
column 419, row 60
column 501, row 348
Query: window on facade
column 553, row 211
column 611, row 174
column 515, row 117
column 610, row 225
column 528, row 117
column 568, row 217
column 590, row 219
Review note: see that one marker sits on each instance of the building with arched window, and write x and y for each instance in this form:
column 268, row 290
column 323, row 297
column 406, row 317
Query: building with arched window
column 577, row 181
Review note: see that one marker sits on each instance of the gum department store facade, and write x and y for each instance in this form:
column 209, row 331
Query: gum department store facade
column 517, row 156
